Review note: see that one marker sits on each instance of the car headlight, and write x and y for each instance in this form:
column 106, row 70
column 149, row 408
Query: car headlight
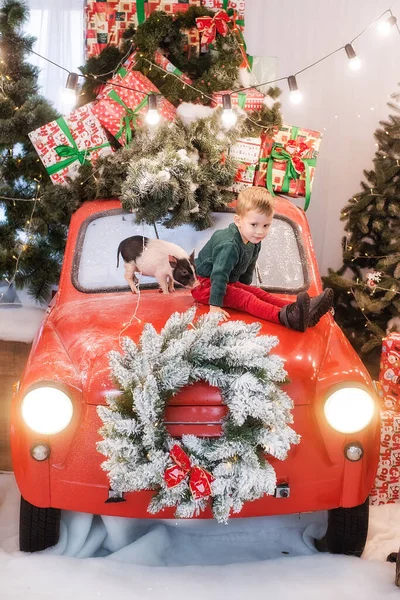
column 349, row 410
column 47, row 410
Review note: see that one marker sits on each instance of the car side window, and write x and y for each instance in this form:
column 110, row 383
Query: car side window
column 280, row 265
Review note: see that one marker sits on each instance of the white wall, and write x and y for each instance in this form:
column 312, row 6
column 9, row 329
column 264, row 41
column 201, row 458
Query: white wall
column 346, row 106
column 58, row 26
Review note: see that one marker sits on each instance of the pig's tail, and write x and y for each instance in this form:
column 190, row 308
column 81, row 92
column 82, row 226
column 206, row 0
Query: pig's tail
column 125, row 326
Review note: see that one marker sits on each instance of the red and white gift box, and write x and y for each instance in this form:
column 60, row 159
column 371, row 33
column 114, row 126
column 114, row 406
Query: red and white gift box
column 246, row 152
column 163, row 62
column 66, row 143
column 237, row 5
column 297, row 145
column 389, row 375
column 122, row 109
column 249, row 100
column 107, row 20
column 386, row 488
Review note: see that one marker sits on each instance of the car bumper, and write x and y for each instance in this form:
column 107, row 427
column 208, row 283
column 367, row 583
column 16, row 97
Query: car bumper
column 316, row 471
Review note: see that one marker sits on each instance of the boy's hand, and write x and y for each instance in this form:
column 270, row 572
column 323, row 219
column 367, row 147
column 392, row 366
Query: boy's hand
column 219, row 309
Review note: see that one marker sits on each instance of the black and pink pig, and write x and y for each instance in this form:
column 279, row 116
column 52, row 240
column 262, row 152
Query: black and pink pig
column 165, row 261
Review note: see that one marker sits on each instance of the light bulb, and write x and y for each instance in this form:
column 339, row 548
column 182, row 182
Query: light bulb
column 385, row 27
column 228, row 118
column 354, row 63
column 295, row 97
column 153, row 116
column 69, row 98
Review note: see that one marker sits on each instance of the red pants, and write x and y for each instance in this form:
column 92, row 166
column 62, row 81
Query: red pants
column 248, row 298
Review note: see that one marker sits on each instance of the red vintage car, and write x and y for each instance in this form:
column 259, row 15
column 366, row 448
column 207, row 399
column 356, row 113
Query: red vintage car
column 54, row 434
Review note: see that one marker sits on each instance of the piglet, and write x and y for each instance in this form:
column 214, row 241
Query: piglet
column 165, row 261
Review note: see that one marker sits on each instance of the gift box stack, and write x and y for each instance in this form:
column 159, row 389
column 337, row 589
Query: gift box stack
column 387, row 483
column 283, row 162
column 287, row 161
column 107, row 20
column 65, row 144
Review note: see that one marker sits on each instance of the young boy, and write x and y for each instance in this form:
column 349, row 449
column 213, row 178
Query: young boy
column 226, row 264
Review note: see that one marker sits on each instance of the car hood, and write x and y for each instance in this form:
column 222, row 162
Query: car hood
column 91, row 328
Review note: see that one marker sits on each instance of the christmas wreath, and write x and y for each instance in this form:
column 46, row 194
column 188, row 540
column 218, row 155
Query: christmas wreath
column 228, row 470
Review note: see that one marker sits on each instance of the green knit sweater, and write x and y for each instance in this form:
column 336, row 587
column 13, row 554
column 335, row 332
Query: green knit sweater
column 226, row 258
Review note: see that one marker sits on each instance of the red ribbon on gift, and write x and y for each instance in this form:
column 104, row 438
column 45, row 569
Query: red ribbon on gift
column 199, row 481
column 208, row 26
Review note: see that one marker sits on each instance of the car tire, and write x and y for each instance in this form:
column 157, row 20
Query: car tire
column 39, row 528
column 347, row 530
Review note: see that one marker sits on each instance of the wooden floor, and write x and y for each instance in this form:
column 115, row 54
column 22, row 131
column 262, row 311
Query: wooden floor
column 13, row 356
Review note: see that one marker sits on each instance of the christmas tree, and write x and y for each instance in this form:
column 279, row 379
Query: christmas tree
column 33, row 228
column 367, row 286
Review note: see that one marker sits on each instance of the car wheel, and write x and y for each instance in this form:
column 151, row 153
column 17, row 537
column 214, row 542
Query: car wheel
column 39, row 528
column 347, row 530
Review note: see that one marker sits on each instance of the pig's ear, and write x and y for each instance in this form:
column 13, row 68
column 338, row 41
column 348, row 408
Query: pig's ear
column 191, row 257
column 172, row 261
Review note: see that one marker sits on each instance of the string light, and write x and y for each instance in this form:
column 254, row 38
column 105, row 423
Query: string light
column 153, row 116
column 386, row 26
column 69, row 94
column 295, row 95
column 228, row 118
column 354, row 61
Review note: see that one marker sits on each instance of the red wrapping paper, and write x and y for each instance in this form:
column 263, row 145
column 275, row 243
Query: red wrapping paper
column 386, row 488
column 51, row 143
column 111, row 112
column 249, row 100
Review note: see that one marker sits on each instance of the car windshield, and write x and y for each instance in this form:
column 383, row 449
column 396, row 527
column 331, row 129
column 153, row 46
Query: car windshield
column 281, row 264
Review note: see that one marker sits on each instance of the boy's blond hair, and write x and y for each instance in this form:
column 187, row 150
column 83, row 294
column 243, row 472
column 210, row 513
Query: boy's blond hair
column 255, row 198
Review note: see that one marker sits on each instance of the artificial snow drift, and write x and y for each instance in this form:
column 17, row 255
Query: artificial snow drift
column 252, row 558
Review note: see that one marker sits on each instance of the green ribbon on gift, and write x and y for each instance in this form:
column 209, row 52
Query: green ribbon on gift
column 141, row 17
column 241, row 99
column 128, row 121
column 278, row 152
column 70, row 153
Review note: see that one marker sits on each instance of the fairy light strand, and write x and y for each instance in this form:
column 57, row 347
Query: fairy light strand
column 28, row 233
column 241, row 89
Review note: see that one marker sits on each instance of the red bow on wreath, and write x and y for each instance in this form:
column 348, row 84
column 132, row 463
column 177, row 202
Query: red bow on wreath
column 199, row 480
column 209, row 26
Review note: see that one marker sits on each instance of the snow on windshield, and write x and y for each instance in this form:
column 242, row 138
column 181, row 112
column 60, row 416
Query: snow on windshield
column 279, row 264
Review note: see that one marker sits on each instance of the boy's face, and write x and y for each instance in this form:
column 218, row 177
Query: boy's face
column 253, row 225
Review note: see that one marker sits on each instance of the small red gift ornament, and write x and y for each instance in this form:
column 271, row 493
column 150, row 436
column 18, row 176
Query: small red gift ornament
column 199, row 480
column 208, row 26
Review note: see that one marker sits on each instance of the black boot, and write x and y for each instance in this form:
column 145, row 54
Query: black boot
column 296, row 315
column 319, row 305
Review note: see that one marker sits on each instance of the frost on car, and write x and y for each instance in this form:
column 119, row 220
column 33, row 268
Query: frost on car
column 54, row 418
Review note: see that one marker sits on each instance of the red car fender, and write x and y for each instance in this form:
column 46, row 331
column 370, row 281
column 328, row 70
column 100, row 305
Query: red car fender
column 359, row 476
column 47, row 359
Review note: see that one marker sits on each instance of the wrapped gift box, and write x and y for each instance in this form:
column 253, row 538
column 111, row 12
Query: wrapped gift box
column 389, row 375
column 246, row 151
column 106, row 21
column 122, row 109
column 63, row 145
column 287, row 161
column 386, row 488
column 249, row 100
column 237, row 5
column 165, row 64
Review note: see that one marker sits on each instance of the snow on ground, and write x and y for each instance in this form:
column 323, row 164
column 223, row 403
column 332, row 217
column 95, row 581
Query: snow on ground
column 197, row 555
